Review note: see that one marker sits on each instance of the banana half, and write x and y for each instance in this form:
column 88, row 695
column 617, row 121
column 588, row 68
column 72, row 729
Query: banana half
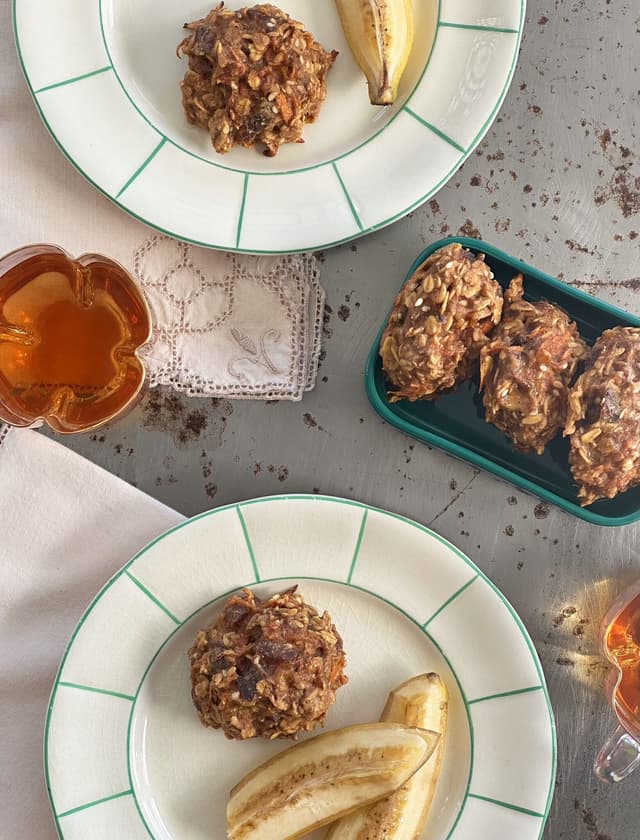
column 380, row 34
column 422, row 702
column 324, row 778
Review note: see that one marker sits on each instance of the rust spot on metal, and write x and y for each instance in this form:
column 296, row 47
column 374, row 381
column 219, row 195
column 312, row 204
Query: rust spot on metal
column 310, row 422
column 604, row 138
column 574, row 246
column 589, row 820
column 563, row 615
column 344, row 312
column 282, row 471
column 167, row 412
column 594, row 283
column 469, row 229
column 195, row 422
column 541, row 510
column 623, row 187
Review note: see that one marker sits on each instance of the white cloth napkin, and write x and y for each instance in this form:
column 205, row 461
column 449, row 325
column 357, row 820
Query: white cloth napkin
column 227, row 325
column 232, row 326
column 67, row 526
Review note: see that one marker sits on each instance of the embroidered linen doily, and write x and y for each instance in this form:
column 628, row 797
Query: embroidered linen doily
column 231, row 325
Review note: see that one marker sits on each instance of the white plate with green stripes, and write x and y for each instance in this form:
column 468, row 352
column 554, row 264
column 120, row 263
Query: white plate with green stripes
column 104, row 76
column 126, row 755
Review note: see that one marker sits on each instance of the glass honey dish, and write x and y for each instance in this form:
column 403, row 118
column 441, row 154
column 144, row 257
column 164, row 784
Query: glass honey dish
column 70, row 334
column 620, row 636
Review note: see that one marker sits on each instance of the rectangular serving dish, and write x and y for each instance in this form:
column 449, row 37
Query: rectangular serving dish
column 456, row 424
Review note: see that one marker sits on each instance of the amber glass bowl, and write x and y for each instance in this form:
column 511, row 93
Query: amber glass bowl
column 70, row 334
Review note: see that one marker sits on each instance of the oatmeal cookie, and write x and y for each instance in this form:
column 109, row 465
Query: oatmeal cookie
column 255, row 76
column 603, row 420
column 438, row 324
column 266, row 668
column 526, row 369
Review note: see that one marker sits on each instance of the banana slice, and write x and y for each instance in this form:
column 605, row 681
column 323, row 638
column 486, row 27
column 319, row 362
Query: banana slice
column 380, row 34
column 422, row 702
column 323, row 778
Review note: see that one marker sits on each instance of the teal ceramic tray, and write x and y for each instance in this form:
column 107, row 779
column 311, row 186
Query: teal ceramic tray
column 456, row 422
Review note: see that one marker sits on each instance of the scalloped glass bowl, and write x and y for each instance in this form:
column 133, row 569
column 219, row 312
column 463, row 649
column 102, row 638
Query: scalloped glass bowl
column 70, row 334
column 620, row 633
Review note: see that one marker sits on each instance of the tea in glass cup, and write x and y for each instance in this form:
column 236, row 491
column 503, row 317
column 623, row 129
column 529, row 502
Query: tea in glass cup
column 70, row 332
column 620, row 755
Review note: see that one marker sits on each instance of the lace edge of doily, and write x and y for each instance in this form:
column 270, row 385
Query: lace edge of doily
column 316, row 344
column 306, row 366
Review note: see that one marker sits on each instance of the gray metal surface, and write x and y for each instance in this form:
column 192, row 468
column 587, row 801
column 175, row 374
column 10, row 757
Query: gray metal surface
column 556, row 182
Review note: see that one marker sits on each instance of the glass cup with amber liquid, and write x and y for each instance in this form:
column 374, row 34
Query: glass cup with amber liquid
column 70, row 335
column 620, row 755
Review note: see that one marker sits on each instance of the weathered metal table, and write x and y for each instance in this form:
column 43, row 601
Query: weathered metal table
column 556, row 182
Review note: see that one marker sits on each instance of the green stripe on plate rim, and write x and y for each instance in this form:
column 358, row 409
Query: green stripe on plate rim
column 356, row 551
column 152, row 597
column 95, row 802
column 478, row 27
column 450, row 600
column 95, row 690
column 365, row 508
column 352, row 206
column 75, row 79
column 514, row 693
column 507, row 805
column 247, row 539
column 311, row 246
column 245, row 186
column 142, row 167
column 435, row 130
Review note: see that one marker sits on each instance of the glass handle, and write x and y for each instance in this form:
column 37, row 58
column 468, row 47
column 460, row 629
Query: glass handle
column 619, row 756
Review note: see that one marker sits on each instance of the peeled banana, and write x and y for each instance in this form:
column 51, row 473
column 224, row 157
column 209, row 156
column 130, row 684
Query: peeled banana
column 421, row 701
column 323, row 778
column 380, row 34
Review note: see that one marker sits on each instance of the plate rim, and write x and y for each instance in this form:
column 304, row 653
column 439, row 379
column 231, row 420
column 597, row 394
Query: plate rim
column 311, row 246
column 366, row 508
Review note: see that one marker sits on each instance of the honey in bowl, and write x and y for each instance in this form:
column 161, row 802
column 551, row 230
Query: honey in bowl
column 622, row 645
column 620, row 754
column 69, row 335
